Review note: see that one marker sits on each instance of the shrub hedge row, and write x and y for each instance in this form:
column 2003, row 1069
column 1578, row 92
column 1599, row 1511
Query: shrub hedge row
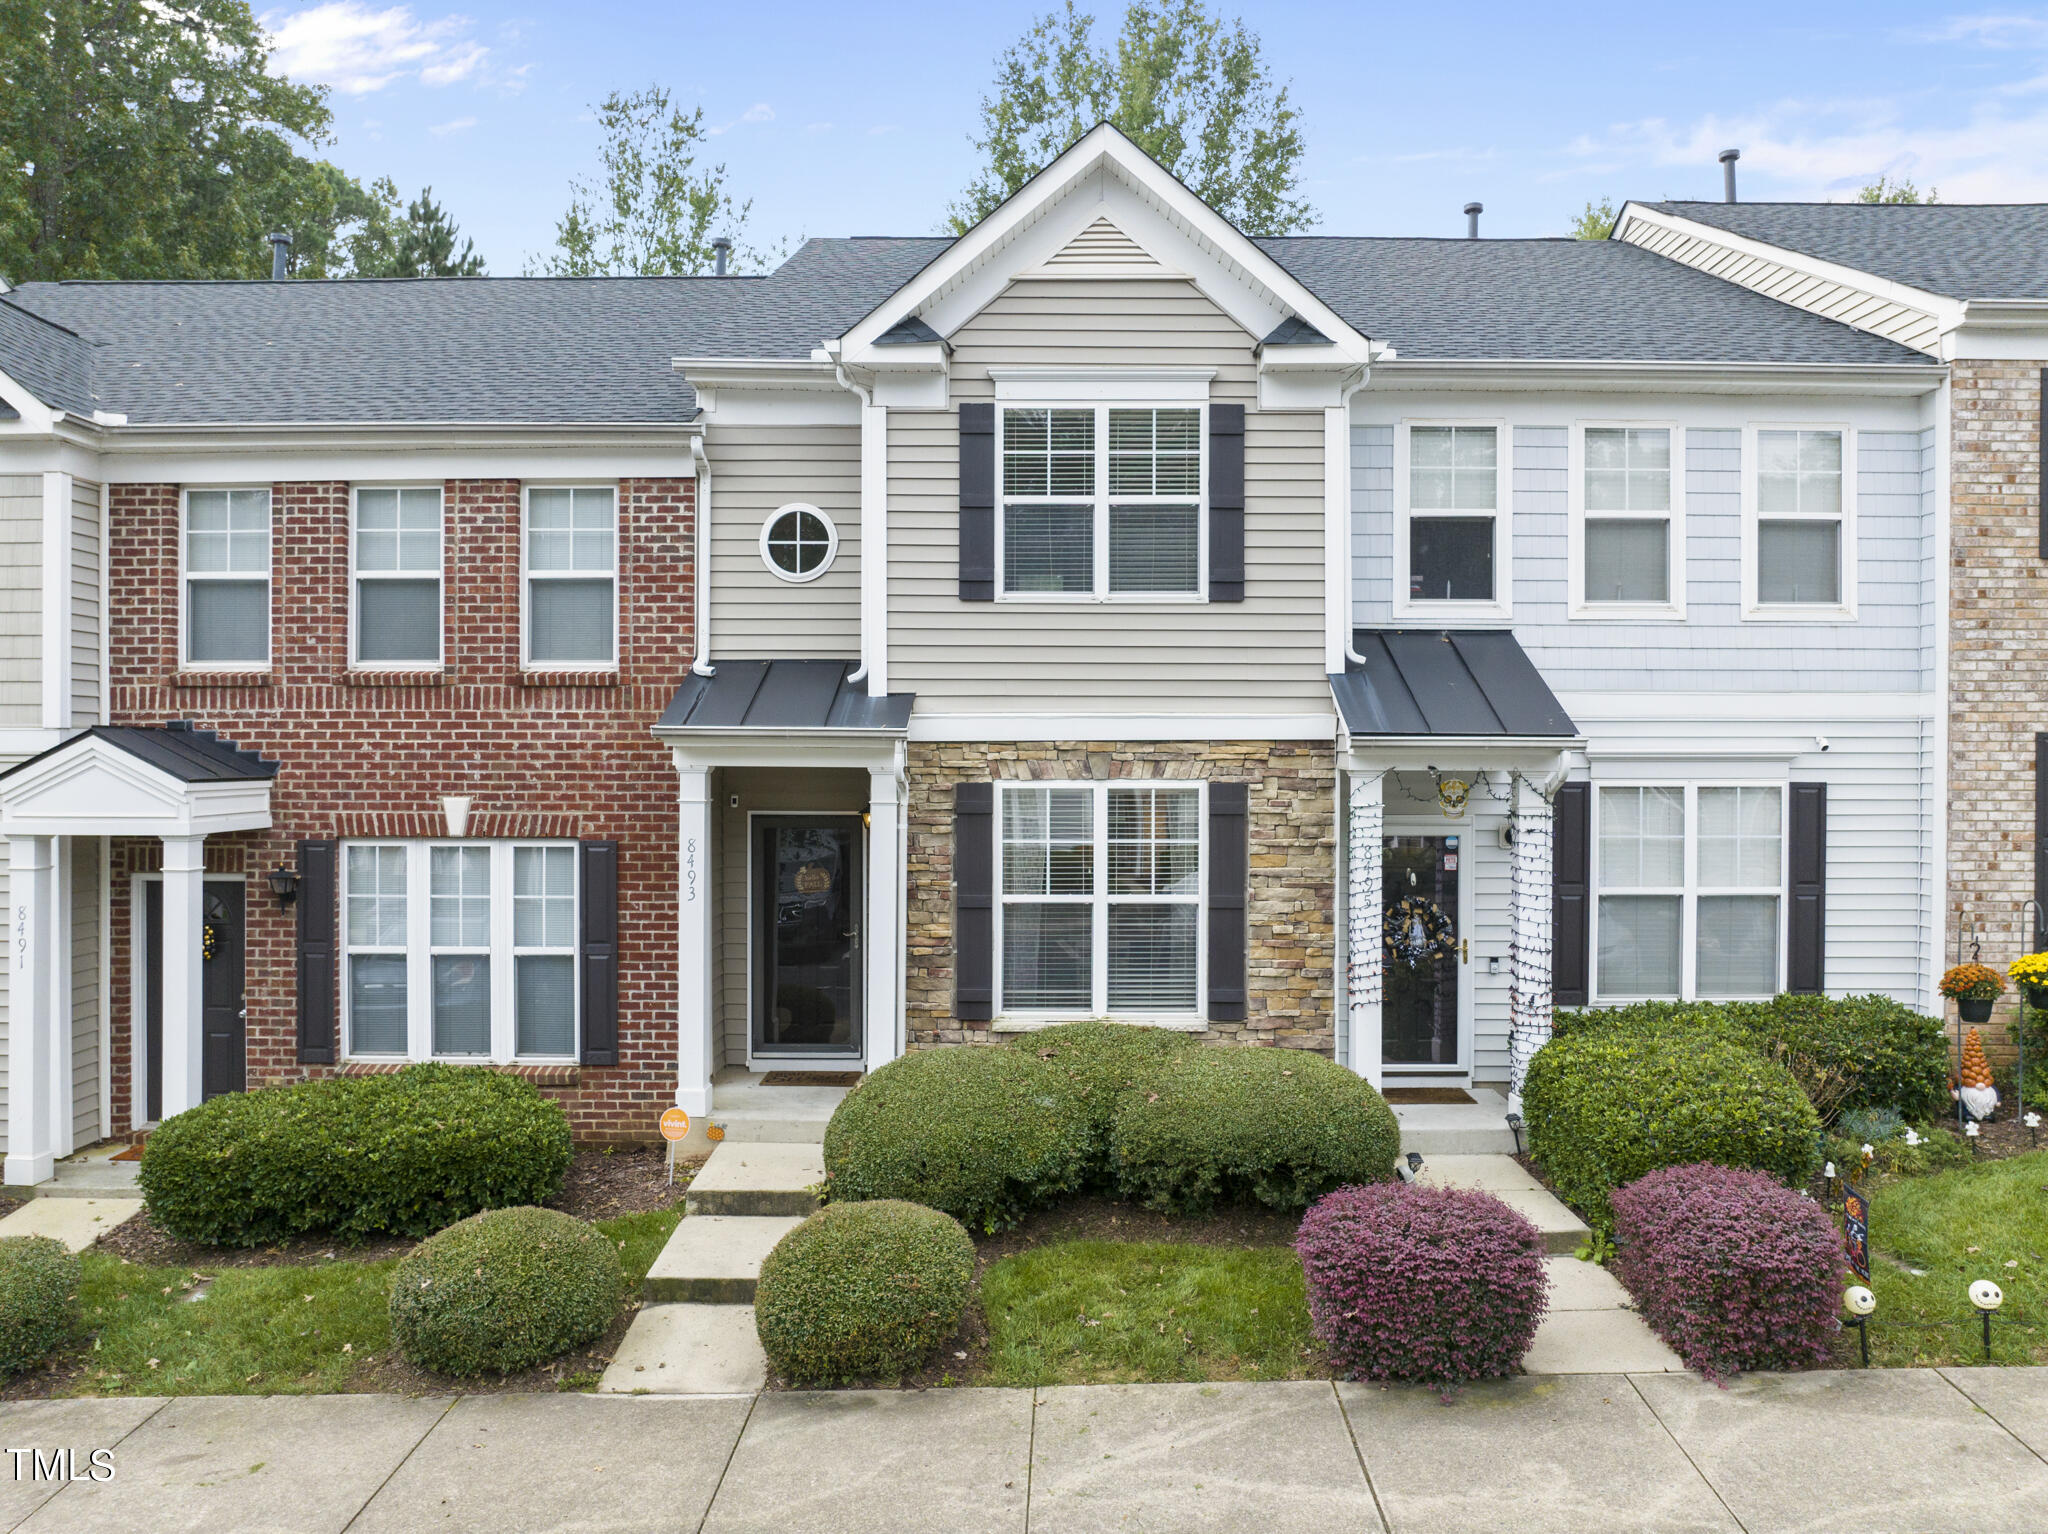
column 39, row 1310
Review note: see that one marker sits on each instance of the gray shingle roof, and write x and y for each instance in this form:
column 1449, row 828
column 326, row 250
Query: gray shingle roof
column 1560, row 300
column 46, row 359
column 478, row 349
column 1959, row 250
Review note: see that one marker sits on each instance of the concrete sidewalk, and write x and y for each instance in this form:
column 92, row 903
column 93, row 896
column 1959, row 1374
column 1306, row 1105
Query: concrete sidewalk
column 1902, row 1450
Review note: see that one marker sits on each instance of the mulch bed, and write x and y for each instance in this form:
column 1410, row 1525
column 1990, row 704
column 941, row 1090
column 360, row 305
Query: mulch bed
column 601, row 1182
column 9, row 1203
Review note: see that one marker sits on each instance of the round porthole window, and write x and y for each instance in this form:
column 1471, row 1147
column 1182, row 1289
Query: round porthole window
column 798, row 543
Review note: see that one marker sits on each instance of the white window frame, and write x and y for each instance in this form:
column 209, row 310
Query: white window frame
column 1754, row 611
column 1446, row 613
column 186, row 577
column 527, row 577
column 419, row 955
column 356, row 577
column 804, row 577
column 1099, row 902
column 1674, row 552
column 1102, row 407
column 1690, row 893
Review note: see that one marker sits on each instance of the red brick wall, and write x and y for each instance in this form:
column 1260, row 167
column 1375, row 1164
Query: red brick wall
column 364, row 755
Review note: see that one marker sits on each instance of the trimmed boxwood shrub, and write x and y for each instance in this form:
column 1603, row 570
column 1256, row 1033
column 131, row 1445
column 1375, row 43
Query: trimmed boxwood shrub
column 1224, row 1124
column 1101, row 1062
column 39, row 1310
column 505, row 1290
column 980, row 1133
column 1437, row 1285
column 1606, row 1105
column 354, row 1156
column 1849, row 1052
column 862, row 1291
column 1732, row 1269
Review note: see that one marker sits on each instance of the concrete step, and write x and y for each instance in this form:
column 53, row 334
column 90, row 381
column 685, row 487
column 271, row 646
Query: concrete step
column 93, row 1174
column 758, row 1178
column 77, row 1222
column 766, row 1126
column 688, row 1350
column 714, row 1259
column 1510, row 1182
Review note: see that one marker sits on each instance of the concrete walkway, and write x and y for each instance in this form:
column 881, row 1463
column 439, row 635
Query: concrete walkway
column 77, row 1222
column 1924, row 1451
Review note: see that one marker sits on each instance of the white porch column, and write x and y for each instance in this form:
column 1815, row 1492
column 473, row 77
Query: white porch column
column 883, row 1021
column 1529, row 945
column 1364, row 959
column 696, row 898
column 31, row 1042
column 183, row 971
column 57, row 949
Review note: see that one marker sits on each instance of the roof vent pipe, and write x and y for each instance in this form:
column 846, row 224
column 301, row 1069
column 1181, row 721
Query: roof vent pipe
column 280, row 255
column 721, row 251
column 1472, row 212
column 1728, row 159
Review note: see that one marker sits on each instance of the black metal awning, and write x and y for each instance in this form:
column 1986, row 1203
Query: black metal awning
column 1452, row 682
column 783, row 695
column 189, row 755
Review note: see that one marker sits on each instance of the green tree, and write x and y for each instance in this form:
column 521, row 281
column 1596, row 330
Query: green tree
column 1190, row 89
column 148, row 138
column 1596, row 221
column 654, row 213
column 1886, row 190
column 416, row 242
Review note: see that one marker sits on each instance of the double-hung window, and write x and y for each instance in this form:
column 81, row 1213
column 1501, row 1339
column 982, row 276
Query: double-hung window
column 460, row 950
column 227, row 578
column 397, row 563
column 1450, row 552
column 1102, row 502
column 1799, row 557
column 1101, row 902
column 1627, row 532
column 1690, row 890
column 571, row 577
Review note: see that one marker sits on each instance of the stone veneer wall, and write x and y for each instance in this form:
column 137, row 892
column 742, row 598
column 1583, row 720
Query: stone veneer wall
column 1292, row 896
column 1998, row 657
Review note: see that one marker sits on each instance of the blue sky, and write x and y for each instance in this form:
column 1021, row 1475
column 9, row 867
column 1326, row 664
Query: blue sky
column 854, row 119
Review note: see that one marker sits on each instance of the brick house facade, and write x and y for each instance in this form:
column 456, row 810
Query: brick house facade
column 365, row 753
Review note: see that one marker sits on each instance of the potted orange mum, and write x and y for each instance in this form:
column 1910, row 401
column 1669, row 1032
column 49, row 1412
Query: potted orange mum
column 1975, row 988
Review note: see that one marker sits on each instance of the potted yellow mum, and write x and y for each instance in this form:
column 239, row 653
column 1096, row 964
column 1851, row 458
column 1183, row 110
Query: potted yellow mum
column 2030, row 974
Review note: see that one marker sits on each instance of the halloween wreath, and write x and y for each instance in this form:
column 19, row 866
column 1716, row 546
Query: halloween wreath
column 1417, row 932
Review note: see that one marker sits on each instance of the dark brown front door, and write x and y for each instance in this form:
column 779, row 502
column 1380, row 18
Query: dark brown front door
column 807, row 916
column 224, row 1028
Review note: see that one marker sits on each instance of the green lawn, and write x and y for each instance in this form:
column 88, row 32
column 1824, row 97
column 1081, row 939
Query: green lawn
column 1088, row 1312
column 260, row 1331
column 1984, row 1221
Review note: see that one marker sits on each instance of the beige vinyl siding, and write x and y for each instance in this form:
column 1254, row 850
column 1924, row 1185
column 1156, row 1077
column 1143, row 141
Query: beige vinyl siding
column 755, row 471
column 21, row 599
column 768, row 789
column 1838, row 301
column 1103, row 244
column 85, row 602
column 84, row 853
column 1262, row 655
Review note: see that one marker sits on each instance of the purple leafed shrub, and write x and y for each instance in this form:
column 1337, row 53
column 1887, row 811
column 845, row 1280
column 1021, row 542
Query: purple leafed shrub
column 1436, row 1285
column 1733, row 1269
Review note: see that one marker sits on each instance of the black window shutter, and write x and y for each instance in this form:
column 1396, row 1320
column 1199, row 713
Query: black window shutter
column 2040, row 843
column 974, row 892
column 1226, row 504
column 597, row 950
column 1806, row 888
column 1571, row 964
column 977, row 503
column 317, row 977
column 1229, row 867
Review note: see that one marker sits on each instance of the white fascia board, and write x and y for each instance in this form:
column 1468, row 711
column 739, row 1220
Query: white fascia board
column 1166, row 385
column 1998, row 330
column 699, row 750
column 100, row 790
column 1520, row 375
column 1206, row 233
column 756, row 372
column 1946, row 312
column 36, row 418
column 270, row 455
column 971, row 728
column 1456, row 753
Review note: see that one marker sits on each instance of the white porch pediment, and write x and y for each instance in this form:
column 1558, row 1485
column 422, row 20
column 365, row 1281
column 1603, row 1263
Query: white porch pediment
column 91, row 786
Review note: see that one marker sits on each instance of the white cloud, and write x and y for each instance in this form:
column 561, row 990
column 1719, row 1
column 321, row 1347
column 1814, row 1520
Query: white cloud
column 454, row 125
column 358, row 48
column 759, row 112
column 1988, row 31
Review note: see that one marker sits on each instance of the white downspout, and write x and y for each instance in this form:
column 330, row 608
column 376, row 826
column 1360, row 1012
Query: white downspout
column 874, row 543
column 701, row 561
column 1349, row 597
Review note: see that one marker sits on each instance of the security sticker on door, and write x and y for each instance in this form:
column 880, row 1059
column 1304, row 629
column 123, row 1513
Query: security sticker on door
column 1450, row 862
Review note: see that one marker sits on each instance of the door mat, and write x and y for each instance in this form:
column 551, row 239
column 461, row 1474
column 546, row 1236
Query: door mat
column 815, row 1079
column 1413, row 1095
column 132, row 1153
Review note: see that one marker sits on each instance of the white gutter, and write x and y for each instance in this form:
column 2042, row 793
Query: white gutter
column 1343, row 539
column 874, row 539
column 700, row 560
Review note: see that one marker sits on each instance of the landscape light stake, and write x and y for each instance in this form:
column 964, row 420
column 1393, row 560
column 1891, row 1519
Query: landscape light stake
column 1515, row 1124
column 1859, row 1301
column 1987, row 1297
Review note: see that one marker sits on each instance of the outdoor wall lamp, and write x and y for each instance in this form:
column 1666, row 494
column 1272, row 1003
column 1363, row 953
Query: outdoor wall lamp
column 1987, row 1297
column 284, row 883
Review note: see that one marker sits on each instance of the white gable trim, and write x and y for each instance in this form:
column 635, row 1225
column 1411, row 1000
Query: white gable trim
column 90, row 787
column 36, row 418
column 1104, row 174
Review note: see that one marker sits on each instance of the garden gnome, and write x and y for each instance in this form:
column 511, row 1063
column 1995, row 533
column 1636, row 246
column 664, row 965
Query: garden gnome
column 1979, row 1097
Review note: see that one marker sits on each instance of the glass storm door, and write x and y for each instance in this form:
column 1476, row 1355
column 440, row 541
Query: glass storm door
column 807, row 919
column 1421, row 947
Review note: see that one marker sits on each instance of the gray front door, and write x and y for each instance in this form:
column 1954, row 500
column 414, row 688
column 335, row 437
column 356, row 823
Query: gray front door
column 807, row 935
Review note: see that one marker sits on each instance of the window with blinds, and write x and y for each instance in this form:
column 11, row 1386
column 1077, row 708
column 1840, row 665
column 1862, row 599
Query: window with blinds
column 1101, row 501
column 1625, row 538
column 1101, row 899
column 571, row 576
column 397, row 563
column 1799, row 518
column 227, row 577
